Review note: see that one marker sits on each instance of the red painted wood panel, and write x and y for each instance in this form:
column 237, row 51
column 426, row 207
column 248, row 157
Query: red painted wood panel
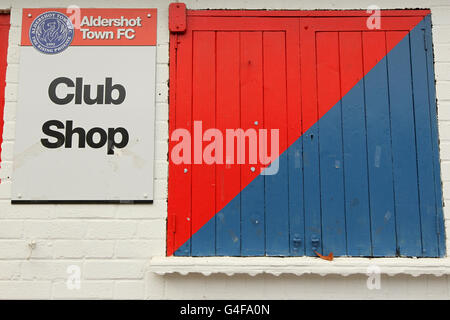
column 259, row 70
column 203, row 110
column 4, row 32
column 252, row 108
column 304, row 13
column 275, row 117
column 228, row 176
column 180, row 176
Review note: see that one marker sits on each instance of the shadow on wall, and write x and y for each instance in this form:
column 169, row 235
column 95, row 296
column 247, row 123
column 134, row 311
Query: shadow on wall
column 198, row 286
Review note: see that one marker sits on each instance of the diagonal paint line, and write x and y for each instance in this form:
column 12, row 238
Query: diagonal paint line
column 285, row 152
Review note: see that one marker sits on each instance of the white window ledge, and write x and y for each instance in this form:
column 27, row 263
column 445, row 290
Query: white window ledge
column 298, row 265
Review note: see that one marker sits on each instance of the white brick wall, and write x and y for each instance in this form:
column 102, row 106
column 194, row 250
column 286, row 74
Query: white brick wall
column 113, row 244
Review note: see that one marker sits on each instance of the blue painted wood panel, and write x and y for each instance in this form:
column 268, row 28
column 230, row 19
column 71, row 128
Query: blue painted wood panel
column 403, row 139
column 435, row 136
column 275, row 116
column 354, row 136
column 379, row 151
column 362, row 180
column 330, row 145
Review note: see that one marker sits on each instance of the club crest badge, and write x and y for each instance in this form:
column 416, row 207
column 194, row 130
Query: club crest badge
column 51, row 32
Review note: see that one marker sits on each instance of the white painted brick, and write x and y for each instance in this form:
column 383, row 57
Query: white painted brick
column 88, row 290
column 445, row 170
column 14, row 249
column 446, row 216
column 163, row 22
column 155, row 210
column 8, row 211
column 16, row 17
column 154, row 286
column 54, row 229
column 12, row 73
column 160, row 189
column 42, row 269
column 114, row 269
column 442, row 53
column 111, row 229
column 11, row 229
column 9, row 270
column 9, row 130
column 25, row 289
column 441, row 16
column 162, row 91
column 162, row 112
column 162, row 53
column 5, row 190
column 443, row 93
column 444, row 130
column 43, row 249
column 14, row 35
column 83, row 249
column 126, row 290
column 161, row 150
column 437, row 287
column 13, row 54
column 5, row 170
column 151, row 229
column 7, row 150
column 442, row 71
column 83, row 211
column 440, row 35
column 446, row 190
column 10, row 111
column 193, row 287
column 414, row 287
column 139, row 248
column 162, row 131
column 161, row 169
column 162, row 73
column 11, row 92
column 99, row 237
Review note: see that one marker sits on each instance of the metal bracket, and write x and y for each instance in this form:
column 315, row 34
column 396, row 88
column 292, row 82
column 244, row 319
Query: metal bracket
column 177, row 17
column 315, row 241
column 296, row 241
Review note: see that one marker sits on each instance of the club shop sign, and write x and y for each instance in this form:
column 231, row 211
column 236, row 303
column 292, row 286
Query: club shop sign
column 86, row 106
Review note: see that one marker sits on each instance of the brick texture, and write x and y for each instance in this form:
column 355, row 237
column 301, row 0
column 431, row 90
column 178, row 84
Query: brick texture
column 112, row 244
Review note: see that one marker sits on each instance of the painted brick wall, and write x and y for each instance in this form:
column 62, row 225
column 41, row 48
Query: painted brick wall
column 113, row 244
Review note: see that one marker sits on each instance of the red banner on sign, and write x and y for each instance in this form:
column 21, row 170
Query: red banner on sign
column 102, row 27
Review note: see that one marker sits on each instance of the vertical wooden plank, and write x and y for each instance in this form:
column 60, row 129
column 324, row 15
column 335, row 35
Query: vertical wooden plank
column 295, row 157
column 403, row 145
column 311, row 178
column 276, row 186
column 252, row 196
column 179, row 202
column 203, row 109
column 228, row 179
column 379, row 146
column 424, row 143
column 354, row 145
column 330, row 144
column 435, row 137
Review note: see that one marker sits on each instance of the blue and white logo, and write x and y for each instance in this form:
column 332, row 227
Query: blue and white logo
column 51, row 32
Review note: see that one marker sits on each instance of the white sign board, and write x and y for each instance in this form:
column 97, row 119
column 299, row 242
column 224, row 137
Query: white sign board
column 85, row 118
